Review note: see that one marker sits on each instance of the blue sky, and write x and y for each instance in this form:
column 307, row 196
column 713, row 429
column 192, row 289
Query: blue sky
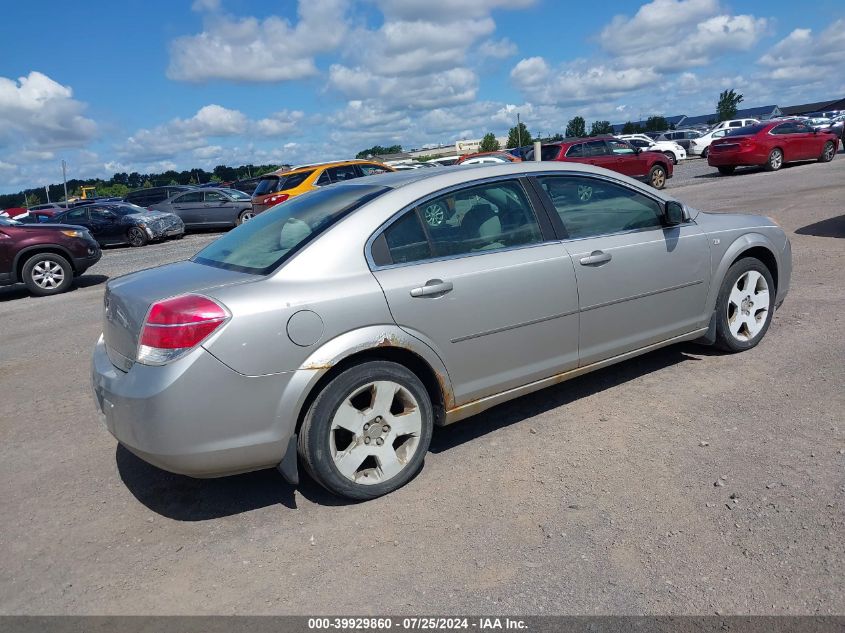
column 152, row 85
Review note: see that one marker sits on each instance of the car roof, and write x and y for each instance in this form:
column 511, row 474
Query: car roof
column 325, row 164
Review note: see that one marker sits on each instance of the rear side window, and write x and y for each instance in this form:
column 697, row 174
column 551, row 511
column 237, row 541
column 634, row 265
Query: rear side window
column 576, row 151
column 343, row 172
column 406, row 240
column 372, row 169
column 294, row 180
column 194, row 196
column 269, row 239
column 595, row 148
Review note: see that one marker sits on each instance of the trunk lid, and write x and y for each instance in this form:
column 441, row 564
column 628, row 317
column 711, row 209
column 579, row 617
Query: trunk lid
column 127, row 300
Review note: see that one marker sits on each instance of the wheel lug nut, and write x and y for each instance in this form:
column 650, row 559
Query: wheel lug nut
column 366, row 426
column 386, row 428
column 379, row 441
column 366, row 440
column 379, row 418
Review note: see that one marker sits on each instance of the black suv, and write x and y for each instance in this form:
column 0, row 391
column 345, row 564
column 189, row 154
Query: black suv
column 46, row 257
column 154, row 195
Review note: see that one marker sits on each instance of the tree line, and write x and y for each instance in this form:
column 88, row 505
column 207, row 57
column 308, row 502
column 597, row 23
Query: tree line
column 122, row 183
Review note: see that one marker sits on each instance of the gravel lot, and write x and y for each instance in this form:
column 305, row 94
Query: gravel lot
column 593, row 497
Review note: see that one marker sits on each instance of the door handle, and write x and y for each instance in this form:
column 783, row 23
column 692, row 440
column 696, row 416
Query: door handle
column 432, row 288
column 596, row 258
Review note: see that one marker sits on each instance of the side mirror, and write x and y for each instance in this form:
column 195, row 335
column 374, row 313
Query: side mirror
column 673, row 214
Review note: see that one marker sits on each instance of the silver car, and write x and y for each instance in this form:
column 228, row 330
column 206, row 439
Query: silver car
column 209, row 207
column 338, row 328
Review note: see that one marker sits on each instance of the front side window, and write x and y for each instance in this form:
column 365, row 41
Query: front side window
column 621, row 148
column 215, row 196
column 266, row 241
column 343, row 172
column 79, row 215
column 371, row 169
column 323, row 180
column 194, row 196
column 483, row 218
column 589, row 207
column 286, row 183
column 783, row 128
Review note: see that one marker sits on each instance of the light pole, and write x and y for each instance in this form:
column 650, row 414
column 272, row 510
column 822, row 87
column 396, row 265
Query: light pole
column 64, row 177
column 518, row 130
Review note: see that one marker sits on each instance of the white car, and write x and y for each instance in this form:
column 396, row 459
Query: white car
column 734, row 123
column 446, row 161
column 670, row 149
column 701, row 146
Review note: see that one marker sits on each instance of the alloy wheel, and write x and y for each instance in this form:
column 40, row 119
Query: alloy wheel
column 48, row 274
column 829, row 151
column 375, row 432
column 246, row 216
column 748, row 306
column 776, row 159
column 658, row 178
column 136, row 237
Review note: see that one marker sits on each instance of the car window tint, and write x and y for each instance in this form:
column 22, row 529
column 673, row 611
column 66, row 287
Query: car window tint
column 802, row 128
column 323, row 180
column 406, row 239
column 343, row 172
column 576, row 151
column 620, row 147
column 595, row 148
column 286, row 183
column 589, row 207
column 549, row 152
column 371, row 169
column 481, row 218
column 78, row 215
column 194, row 196
column 100, row 214
column 783, row 128
column 215, row 196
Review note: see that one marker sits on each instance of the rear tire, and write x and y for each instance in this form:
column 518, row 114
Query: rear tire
column 775, row 160
column 745, row 305
column 47, row 274
column 245, row 216
column 367, row 432
column 136, row 236
column 657, row 177
column 726, row 170
column 828, row 152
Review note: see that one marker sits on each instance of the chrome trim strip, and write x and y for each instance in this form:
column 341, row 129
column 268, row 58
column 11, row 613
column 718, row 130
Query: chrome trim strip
column 641, row 295
column 514, row 326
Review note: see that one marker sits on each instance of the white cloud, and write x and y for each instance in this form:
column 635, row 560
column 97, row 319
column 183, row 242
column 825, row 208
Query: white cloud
column 252, row 50
column 38, row 112
column 497, row 49
column 802, row 58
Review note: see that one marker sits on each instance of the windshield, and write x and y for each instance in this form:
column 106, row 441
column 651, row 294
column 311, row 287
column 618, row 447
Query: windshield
column 263, row 243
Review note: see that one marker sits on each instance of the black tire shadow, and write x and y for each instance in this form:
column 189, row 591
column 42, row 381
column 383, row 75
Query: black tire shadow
column 832, row 227
column 187, row 499
column 20, row 291
column 550, row 398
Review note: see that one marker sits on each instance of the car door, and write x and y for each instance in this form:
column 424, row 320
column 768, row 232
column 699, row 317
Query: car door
column 638, row 282
column 77, row 217
column 190, row 207
column 784, row 136
column 219, row 209
column 626, row 159
column 104, row 225
column 492, row 292
column 807, row 142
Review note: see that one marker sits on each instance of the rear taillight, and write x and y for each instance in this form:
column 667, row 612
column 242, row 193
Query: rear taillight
column 277, row 198
column 177, row 325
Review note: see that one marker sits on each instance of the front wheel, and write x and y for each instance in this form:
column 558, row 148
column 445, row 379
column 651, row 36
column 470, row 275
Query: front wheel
column 775, row 161
column 367, row 432
column 828, row 152
column 657, row 177
column 745, row 305
column 47, row 274
column 727, row 170
column 136, row 236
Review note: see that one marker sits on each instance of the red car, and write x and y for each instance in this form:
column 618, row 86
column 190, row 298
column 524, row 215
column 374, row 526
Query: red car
column 770, row 145
column 45, row 257
column 614, row 154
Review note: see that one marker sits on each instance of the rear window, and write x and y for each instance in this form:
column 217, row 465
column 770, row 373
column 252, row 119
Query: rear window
column 748, row 130
column 281, row 183
column 263, row 243
column 548, row 152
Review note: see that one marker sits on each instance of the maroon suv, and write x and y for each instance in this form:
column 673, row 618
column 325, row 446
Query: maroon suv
column 611, row 153
column 45, row 257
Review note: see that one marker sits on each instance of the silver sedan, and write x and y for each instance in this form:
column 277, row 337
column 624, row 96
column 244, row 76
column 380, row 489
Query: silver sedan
column 209, row 207
column 337, row 329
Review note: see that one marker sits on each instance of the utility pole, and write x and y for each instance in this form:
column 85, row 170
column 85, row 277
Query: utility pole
column 47, row 191
column 518, row 130
column 64, row 177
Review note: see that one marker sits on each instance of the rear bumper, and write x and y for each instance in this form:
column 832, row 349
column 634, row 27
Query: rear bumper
column 736, row 157
column 194, row 416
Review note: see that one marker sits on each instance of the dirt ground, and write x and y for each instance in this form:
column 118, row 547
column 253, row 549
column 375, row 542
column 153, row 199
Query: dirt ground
column 597, row 496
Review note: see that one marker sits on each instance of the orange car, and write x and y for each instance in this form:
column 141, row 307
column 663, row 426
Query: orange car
column 281, row 185
column 492, row 158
